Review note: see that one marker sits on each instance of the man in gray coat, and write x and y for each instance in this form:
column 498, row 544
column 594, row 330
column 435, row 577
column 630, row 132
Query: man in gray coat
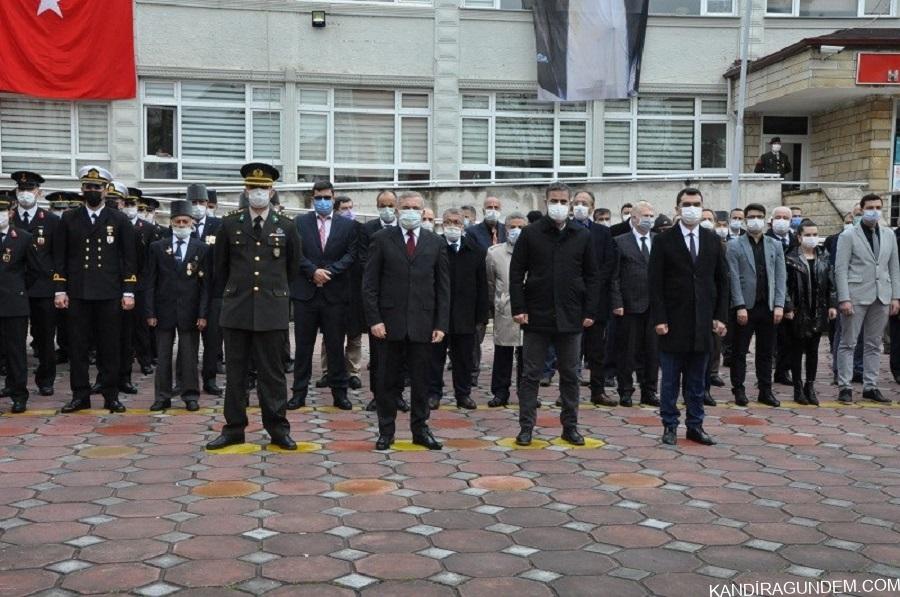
column 757, row 278
column 867, row 277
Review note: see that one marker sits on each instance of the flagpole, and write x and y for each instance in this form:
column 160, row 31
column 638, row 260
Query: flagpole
column 738, row 157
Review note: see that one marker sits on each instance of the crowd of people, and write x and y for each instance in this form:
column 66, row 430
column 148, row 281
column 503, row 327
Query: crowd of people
column 652, row 302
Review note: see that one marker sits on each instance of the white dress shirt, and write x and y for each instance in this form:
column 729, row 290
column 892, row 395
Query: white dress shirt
column 31, row 213
column 687, row 241
column 638, row 236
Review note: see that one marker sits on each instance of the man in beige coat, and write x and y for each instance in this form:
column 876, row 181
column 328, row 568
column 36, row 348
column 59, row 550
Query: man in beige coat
column 507, row 333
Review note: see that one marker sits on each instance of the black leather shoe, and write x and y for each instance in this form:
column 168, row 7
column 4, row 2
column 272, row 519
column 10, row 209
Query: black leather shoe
column 370, row 406
column 384, row 442
column 296, row 401
column 611, row 382
column 649, row 399
column 289, row 366
column 767, row 397
column 740, row 397
column 715, row 380
column 160, row 404
column 220, row 368
column 427, row 440
column 708, row 400
column 897, row 378
column 497, row 401
column 799, row 395
column 625, row 400
column 342, row 402
column 210, row 387
column 874, row 395
column 45, row 390
column 809, row 390
column 96, row 388
column 114, row 406
column 466, row 403
column 128, row 388
column 284, row 442
column 602, row 399
column 354, row 382
column 572, row 436
column 18, row 407
column 191, row 405
column 146, row 369
column 670, row 436
column 74, row 405
column 546, row 381
column 845, row 395
column 784, row 379
column 434, row 402
column 223, row 441
column 524, row 438
column 696, row 434
column 402, row 406
column 322, row 382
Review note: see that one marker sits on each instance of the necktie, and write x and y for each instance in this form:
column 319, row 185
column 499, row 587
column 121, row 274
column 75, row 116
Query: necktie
column 455, row 247
column 494, row 235
column 644, row 249
column 25, row 219
column 323, row 236
column 93, row 219
column 179, row 255
column 257, row 226
column 410, row 243
column 199, row 231
column 2, row 237
column 693, row 248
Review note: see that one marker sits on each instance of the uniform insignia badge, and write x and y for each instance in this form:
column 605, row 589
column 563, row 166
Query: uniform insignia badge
column 110, row 238
column 169, row 251
column 279, row 231
column 40, row 215
column 40, row 237
column 189, row 269
column 12, row 234
column 258, row 173
column 276, row 252
column 7, row 256
column 210, row 240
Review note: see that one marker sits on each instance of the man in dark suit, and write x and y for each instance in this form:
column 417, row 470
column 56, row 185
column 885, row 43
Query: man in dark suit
column 146, row 233
column 554, row 295
column 19, row 267
column 177, row 301
column 780, row 230
column 205, row 229
column 630, row 298
column 41, row 224
column 688, row 298
column 95, row 275
column 257, row 256
column 320, row 294
column 406, row 289
column 468, row 309
column 386, row 203
column 625, row 225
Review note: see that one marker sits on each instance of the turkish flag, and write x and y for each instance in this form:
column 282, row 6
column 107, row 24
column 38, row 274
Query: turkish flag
column 68, row 49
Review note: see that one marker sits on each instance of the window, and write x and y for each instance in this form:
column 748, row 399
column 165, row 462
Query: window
column 692, row 7
column 52, row 138
column 198, row 130
column 501, row 4
column 363, row 135
column 830, row 8
column 512, row 135
column 664, row 134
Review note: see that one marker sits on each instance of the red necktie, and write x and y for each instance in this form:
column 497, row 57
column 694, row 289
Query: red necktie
column 323, row 237
column 410, row 243
column 494, row 235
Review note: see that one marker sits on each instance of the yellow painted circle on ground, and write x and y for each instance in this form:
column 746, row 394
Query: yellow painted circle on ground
column 332, row 409
column 237, row 449
column 39, row 412
column 510, row 442
column 175, row 412
column 107, row 452
column 405, row 445
column 301, row 447
column 589, row 444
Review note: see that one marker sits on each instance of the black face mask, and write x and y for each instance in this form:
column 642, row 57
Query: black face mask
column 93, row 198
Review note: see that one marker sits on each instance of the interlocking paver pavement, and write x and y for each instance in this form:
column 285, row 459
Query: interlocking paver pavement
column 132, row 503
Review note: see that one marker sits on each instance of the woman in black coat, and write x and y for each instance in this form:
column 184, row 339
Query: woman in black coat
column 811, row 305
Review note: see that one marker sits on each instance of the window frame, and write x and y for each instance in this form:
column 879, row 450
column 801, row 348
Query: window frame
column 75, row 156
column 704, row 11
column 177, row 101
column 860, row 12
column 399, row 113
column 496, row 6
column 698, row 118
column 491, row 114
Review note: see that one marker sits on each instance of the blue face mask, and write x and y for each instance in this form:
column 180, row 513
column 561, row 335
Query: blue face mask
column 795, row 222
column 323, row 205
column 348, row 214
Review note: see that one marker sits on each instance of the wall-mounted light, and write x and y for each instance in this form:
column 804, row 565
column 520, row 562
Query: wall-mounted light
column 318, row 18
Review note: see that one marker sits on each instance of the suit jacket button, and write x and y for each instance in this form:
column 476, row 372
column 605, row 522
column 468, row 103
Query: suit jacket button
column 256, row 289
column 256, row 258
column 255, row 273
column 258, row 244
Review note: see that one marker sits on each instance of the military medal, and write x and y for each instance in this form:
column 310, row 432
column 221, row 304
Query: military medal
column 210, row 240
column 40, row 238
column 7, row 256
column 189, row 268
column 109, row 235
column 276, row 252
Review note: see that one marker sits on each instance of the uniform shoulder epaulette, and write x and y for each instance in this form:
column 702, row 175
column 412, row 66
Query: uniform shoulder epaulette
column 234, row 212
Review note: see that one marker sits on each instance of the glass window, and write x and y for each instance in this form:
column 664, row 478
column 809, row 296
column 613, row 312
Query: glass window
column 501, row 4
column 52, row 138
column 513, row 135
column 691, row 7
column 364, row 135
column 830, row 8
column 202, row 130
column 713, row 144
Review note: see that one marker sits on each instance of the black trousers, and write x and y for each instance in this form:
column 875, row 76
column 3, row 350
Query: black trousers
column 84, row 319
column 534, row 350
column 43, row 323
column 784, row 347
column 376, row 358
column 461, row 348
column 62, row 331
column 807, row 348
column 143, row 335
column 501, row 374
column 310, row 317
column 594, row 349
column 894, row 324
column 638, row 352
column 397, row 357
column 126, row 357
column 187, row 363
column 760, row 324
column 265, row 349
column 212, row 341
column 13, row 345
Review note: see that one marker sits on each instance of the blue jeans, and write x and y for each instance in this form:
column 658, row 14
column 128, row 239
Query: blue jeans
column 674, row 366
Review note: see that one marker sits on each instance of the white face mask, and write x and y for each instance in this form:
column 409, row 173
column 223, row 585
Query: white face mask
column 410, row 219
column 781, row 227
column 558, row 212
column 181, row 233
column 810, row 242
column 452, row 233
column 491, row 216
column 691, row 215
column 645, row 224
column 130, row 212
column 26, row 199
column 580, row 212
column 387, row 214
column 512, row 235
column 428, row 225
column 4, row 220
column 722, row 232
column 258, row 198
column 755, row 225
column 198, row 211
column 707, row 224
column 736, row 225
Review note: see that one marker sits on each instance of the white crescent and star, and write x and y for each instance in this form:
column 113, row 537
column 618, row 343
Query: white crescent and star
column 51, row 5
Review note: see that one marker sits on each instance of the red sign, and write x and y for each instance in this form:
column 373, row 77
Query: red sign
column 878, row 68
